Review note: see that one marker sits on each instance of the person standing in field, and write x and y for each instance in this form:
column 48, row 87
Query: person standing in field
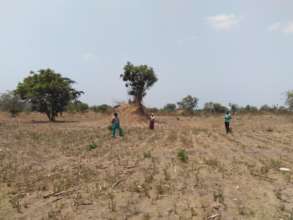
column 152, row 122
column 228, row 119
column 115, row 124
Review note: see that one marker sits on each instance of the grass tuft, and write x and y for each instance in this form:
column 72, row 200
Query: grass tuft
column 182, row 155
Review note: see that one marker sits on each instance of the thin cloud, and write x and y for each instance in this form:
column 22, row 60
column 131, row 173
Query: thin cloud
column 275, row 27
column 89, row 57
column 183, row 41
column 288, row 28
column 223, row 22
column 282, row 28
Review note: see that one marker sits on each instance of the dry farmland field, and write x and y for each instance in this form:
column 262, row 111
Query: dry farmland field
column 49, row 171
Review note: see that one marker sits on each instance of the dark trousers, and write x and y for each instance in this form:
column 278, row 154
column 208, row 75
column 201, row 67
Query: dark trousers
column 152, row 124
column 227, row 126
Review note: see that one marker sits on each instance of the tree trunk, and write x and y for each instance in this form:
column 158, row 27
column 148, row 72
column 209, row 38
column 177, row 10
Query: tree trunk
column 50, row 116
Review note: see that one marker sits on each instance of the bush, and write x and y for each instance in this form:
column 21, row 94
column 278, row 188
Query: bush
column 234, row 107
column 152, row 110
column 283, row 109
column 265, row 108
column 169, row 108
column 77, row 106
column 9, row 102
column 289, row 100
column 102, row 108
column 212, row 107
column 182, row 155
column 249, row 109
column 92, row 146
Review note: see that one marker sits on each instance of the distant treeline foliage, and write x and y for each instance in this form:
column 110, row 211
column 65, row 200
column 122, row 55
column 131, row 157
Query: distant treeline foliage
column 102, row 108
column 13, row 104
column 48, row 92
column 77, row 106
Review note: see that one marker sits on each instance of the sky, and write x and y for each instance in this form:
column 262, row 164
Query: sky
column 227, row 51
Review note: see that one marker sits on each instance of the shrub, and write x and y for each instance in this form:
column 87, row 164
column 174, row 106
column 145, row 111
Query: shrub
column 77, row 106
column 215, row 107
column 92, row 146
column 289, row 100
column 169, row 108
column 152, row 110
column 234, row 107
column 102, row 108
column 182, row 155
column 249, row 109
column 9, row 102
column 147, row 155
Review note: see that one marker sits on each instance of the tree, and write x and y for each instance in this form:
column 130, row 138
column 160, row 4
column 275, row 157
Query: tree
column 215, row 107
column 209, row 107
column 249, row 108
column 289, row 100
column 219, row 108
column 170, row 107
column 138, row 79
column 48, row 92
column 234, row 107
column 188, row 103
column 12, row 103
column 282, row 109
column 266, row 108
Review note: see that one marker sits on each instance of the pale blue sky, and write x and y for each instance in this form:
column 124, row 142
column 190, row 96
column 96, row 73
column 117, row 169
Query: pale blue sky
column 226, row 50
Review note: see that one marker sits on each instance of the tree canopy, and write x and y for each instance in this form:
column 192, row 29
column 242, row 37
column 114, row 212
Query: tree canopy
column 48, row 92
column 214, row 107
column 138, row 79
column 188, row 103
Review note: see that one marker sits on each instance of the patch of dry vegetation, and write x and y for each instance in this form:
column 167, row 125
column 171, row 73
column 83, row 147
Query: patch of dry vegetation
column 185, row 169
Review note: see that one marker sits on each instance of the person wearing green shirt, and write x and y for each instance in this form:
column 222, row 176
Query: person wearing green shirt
column 115, row 124
column 228, row 119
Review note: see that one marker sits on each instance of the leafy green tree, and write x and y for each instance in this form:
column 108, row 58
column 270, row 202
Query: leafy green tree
column 289, row 100
column 12, row 103
column 170, row 107
column 138, row 79
column 188, row 103
column 48, row 92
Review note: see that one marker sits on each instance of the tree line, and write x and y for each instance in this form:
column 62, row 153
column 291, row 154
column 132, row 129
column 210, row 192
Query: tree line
column 48, row 92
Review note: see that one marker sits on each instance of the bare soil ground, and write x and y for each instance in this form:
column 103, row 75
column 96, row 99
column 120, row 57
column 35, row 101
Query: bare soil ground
column 48, row 171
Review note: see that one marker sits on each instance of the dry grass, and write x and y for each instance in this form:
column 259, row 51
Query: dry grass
column 75, row 170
